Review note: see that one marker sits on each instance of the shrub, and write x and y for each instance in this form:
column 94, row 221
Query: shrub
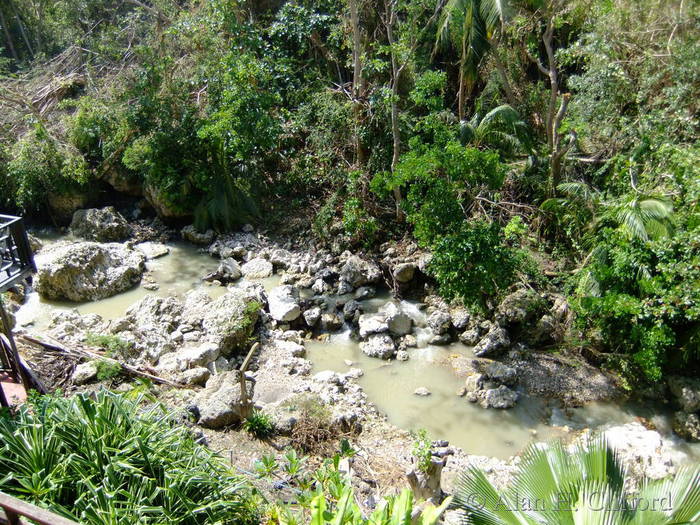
column 313, row 431
column 474, row 264
column 641, row 300
column 113, row 344
column 422, row 450
column 108, row 461
column 40, row 166
column 107, row 369
column 259, row 424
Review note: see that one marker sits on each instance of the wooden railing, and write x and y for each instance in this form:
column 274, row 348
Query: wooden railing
column 13, row 511
column 16, row 259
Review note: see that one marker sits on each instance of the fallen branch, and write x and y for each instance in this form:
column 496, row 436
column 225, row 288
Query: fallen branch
column 55, row 347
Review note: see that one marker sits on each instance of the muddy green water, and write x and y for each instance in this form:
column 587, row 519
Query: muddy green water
column 176, row 274
column 390, row 386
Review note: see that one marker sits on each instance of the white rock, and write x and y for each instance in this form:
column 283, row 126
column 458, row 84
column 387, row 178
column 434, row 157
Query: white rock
column 84, row 373
column 152, row 250
column 87, row 270
column 378, row 345
column 197, row 356
column 373, row 324
column 257, row 268
column 398, row 321
column 283, row 302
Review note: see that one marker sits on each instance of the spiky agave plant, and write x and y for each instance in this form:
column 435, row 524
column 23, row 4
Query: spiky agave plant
column 585, row 486
column 108, row 460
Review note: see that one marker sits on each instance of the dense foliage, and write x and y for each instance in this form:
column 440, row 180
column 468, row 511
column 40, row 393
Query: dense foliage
column 108, row 461
column 500, row 135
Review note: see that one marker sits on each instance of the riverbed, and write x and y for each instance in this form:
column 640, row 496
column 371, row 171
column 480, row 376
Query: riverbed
column 389, row 385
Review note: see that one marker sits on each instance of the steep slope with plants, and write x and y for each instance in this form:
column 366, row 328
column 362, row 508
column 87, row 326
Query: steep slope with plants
column 541, row 142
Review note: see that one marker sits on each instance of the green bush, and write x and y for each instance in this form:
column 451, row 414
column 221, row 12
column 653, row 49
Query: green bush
column 107, row 369
column 259, row 424
column 471, row 259
column 474, row 264
column 39, row 166
column 422, row 449
column 642, row 300
column 105, row 460
column 115, row 345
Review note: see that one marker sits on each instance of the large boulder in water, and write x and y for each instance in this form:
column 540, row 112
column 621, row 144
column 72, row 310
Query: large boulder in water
column 227, row 321
column 379, row 345
column 100, row 224
column 87, row 271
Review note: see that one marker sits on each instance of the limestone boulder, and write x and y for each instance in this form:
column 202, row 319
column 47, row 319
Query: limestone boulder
column 100, row 224
column 87, row 271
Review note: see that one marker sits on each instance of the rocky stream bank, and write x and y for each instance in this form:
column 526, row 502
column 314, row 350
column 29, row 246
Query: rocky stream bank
column 198, row 340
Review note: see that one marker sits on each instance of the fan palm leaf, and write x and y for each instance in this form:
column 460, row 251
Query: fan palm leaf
column 645, row 217
column 501, row 128
column 583, row 486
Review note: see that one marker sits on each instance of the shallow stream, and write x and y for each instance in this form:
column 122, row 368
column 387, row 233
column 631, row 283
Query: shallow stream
column 390, row 385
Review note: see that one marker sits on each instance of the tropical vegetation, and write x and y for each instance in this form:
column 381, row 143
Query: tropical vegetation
column 377, row 119
column 113, row 460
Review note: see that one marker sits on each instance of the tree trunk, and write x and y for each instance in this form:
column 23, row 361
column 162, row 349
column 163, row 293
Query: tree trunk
column 553, row 82
column 462, row 88
column 395, row 130
column 360, row 156
column 20, row 24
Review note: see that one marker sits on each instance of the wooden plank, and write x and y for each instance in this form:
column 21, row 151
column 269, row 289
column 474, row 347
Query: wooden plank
column 13, row 506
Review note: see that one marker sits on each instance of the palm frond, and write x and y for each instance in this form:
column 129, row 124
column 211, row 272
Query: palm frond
column 467, row 133
column 644, row 218
column 494, row 13
column 503, row 114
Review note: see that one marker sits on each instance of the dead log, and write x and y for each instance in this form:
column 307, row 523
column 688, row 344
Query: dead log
column 80, row 352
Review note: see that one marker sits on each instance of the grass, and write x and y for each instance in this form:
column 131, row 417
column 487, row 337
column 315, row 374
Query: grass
column 108, row 461
column 107, row 369
column 114, row 345
column 259, row 424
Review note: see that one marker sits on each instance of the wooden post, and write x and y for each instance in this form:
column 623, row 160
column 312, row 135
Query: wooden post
column 18, row 369
column 245, row 402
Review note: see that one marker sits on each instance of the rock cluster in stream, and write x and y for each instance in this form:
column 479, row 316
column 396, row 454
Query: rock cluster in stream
column 195, row 339
column 87, row 271
column 320, row 291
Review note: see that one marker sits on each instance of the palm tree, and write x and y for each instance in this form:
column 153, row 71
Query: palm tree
column 585, row 486
column 641, row 216
column 467, row 26
column 501, row 128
